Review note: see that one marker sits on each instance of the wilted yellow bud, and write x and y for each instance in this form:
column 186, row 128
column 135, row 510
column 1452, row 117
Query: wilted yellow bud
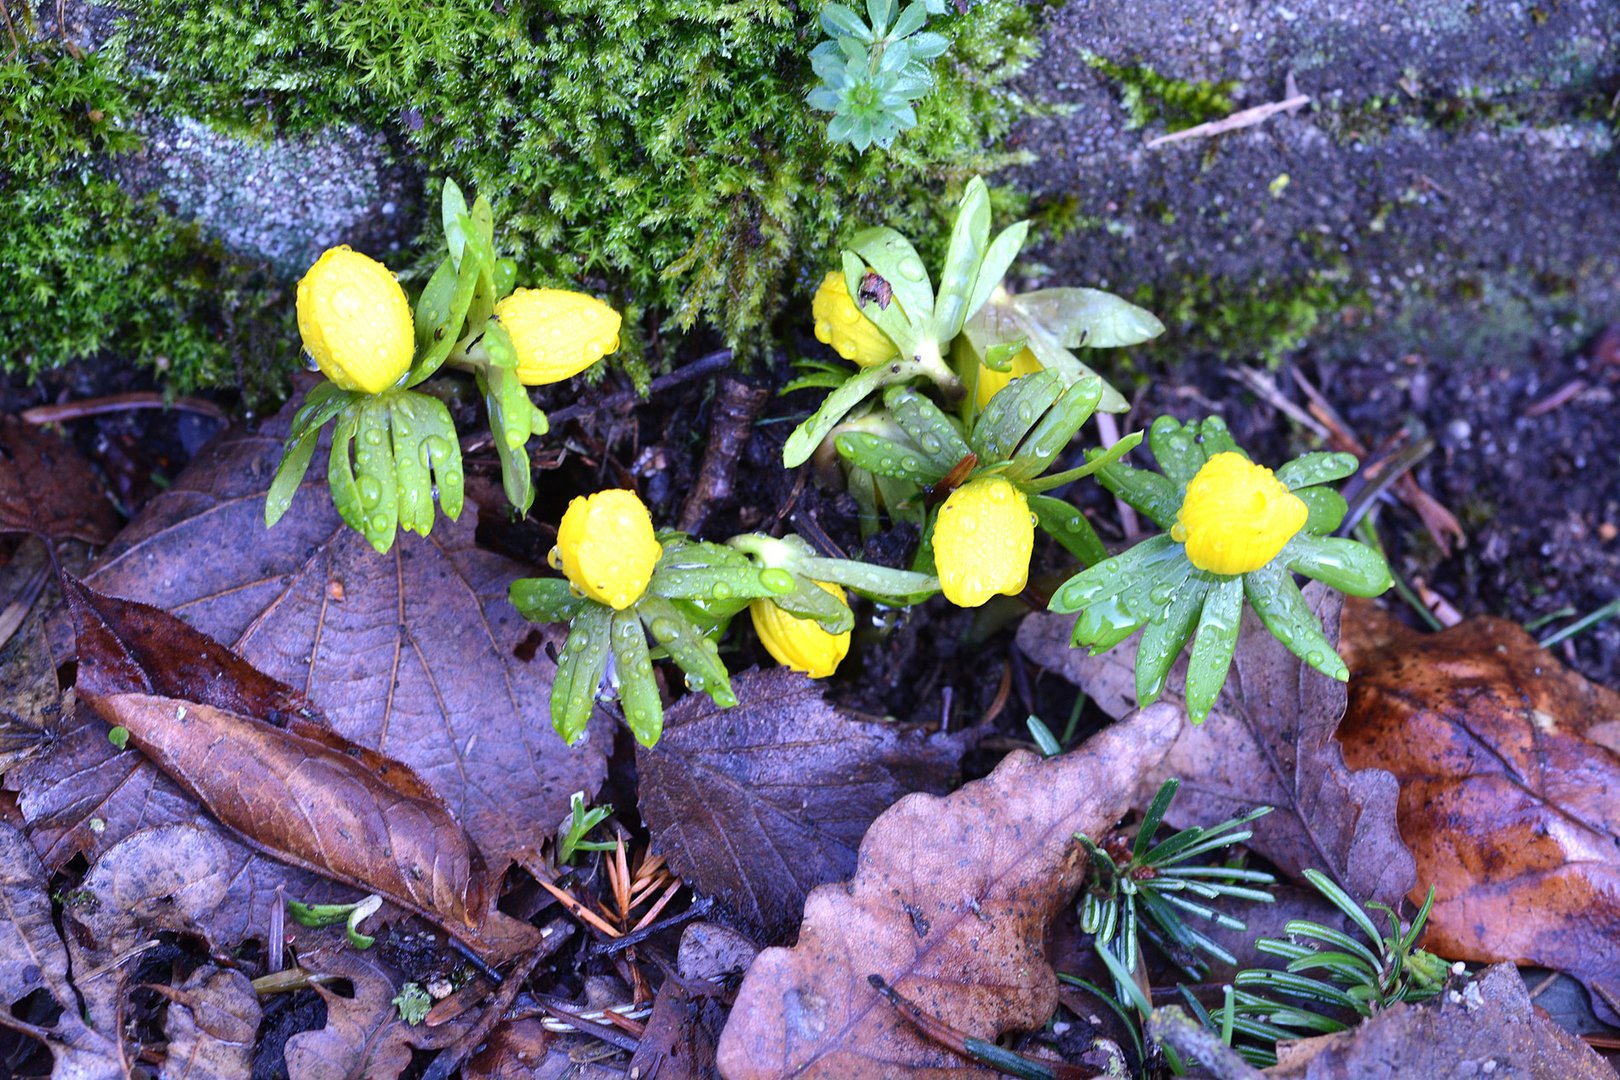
column 1236, row 516
column 557, row 334
column 607, row 547
column 800, row 644
column 839, row 323
column 355, row 321
column 992, row 381
column 983, row 540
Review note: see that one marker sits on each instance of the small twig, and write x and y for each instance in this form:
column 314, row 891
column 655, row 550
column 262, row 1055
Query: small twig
column 697, row 369
column 974, row 1049
column 605, row 1032
column 737, row 405
column 135, row 399
column 1172, row 1027
column 698, row 909
column 1238, row 120
column 1266, row 387
column 1558, row 398
column 1108, row 435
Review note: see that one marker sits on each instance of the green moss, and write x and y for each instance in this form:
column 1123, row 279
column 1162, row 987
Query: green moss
column 1238, row 320
column 1148, row 96
column 88, row 268
column 659, row 151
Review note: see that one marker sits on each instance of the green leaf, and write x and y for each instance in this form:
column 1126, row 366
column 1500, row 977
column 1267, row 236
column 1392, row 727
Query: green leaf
column 1176, row 449
column 927, row 426
column 1069, row 527
column 856, row 389
column 1058, row 428
column 1096, row 461
column 1153, row 817
column 507, row 401
column 885, row 457
column 1214, row 437
column 1112, row 576
column 1339, row 564
column 434, row 305
column 324, row 401
column 375, row 476
column 882, row 583
column 446, row 331
column 808, row 600
column 709, row 582
column 1319, row 467
column 998, row 259
column 1167, row 633
column 1152, row 494
column 1213, row 647
column 1280, row 605
column 1089, row 318
column 580, row 668
column 836, row 20
column 638, row 690
column 1054, row 357
column 412, row 475
column 970, row 236
column 453, row 212
column 545, row 600
column 1012, row 413
column 498, row 345
column 892, row 320
column 694, row 653
column 440, row 449
column 295, row 457
column 999, row 357
column 897, row 262
column 1325, row 509
column 340, row 472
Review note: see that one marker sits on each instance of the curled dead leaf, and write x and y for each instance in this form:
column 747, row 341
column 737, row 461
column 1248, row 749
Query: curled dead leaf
column 1507, row 790
column 949, row 905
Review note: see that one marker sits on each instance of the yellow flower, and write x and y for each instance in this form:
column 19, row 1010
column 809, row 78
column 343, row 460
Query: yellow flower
column 839, row 323
column 991, row 381
column 801, row 644
column 1236, row 516
column 607, row 548
column 982, row 541
column 557, row 334
column 355, row 321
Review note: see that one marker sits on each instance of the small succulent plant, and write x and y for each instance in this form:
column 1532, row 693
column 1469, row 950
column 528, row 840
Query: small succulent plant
column 873, row 70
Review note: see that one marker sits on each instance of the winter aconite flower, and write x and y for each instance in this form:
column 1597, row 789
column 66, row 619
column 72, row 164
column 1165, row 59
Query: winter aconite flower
column 607, row 548
column 1234, row 531
column 800, row 643
column 991, row 381
column 839, row 323
column 355, row 321
column 557, row 334
column 983, row 541
column 1236, row 516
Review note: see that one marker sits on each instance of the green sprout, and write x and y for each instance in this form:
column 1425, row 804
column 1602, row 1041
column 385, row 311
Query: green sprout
column 1233, row 532
column 581, row 822
column 413, row 1003
column 872, row 70
column 350, row 915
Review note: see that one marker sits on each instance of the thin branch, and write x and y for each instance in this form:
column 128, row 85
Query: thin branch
column 137, row 399
column 1237, row 121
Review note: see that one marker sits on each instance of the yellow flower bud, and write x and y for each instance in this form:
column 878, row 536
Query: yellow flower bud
column 1236, row 516
column 839, row 323
column 983, row 539
column 800, row 644
column 355, row 321
column 606, row 546
column 992, row 381
column 557, row 334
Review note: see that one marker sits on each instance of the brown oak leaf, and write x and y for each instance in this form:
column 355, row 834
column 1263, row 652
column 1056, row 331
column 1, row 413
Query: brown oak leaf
column 1508, row 793
column 1268, row 741
column 211, row 1027
column 757, row 804
column 949, row 905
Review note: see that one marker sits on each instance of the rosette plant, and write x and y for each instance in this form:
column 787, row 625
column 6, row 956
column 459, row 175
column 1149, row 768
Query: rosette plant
column 622, row 582
column 985, row 492
column 1234, row 531
column 393, row 446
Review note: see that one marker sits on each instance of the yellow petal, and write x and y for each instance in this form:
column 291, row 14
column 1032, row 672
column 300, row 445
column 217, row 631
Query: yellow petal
column 557, row 333
column 355, row 321
column 1236, row 516
column 800, row 644
column 839, row 323
column 992, row 381
column 607, row 547
column 983, row 541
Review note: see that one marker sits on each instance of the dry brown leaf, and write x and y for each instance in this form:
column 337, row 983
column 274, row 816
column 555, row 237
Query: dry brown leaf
column 1488, row 1027
column 211, row 1027
column 949, row 905
column 415, row 654
column 46, row 487
column 32, row 957
column 678, row 1041
column 363, row 1036
column 297, row 792
column 515, row 1050
column 1507, row 802
column 757, row 804
column 30, row 697
column 1269, row 741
